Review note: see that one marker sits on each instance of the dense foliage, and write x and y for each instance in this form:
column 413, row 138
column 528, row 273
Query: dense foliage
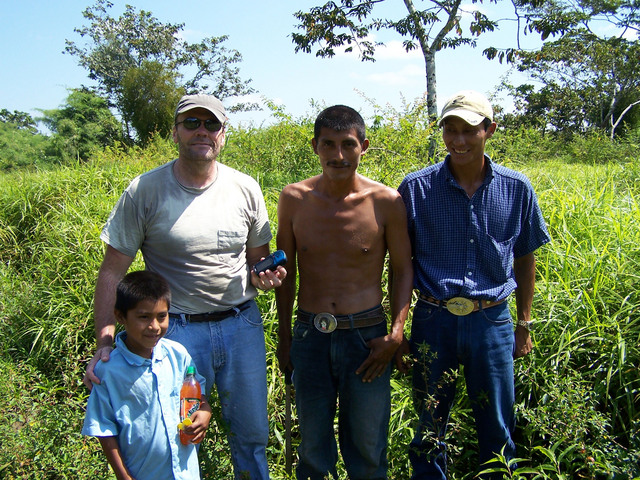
column 135, row 52
column 22, row 147
column 83, row 124
column 429, row 26
column 586, row 76
column 578, row 393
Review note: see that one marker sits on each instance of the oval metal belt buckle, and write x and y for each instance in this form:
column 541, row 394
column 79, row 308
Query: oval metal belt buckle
column 325, row 322
column 460, row 306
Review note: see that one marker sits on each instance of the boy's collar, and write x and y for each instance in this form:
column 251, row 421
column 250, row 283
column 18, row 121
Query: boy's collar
column 159, row 351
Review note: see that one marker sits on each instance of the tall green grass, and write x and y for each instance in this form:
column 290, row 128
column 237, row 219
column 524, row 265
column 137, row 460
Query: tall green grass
column 582, row 388
column 578, row 393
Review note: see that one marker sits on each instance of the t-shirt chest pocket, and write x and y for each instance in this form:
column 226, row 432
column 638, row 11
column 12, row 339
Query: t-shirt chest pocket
column 230, row 243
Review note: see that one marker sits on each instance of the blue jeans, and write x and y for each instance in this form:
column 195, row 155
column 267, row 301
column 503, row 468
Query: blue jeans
column 483, row 342
column 324, row 369
column 230, row 354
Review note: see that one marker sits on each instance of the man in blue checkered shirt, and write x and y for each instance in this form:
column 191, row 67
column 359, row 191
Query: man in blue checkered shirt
column 474, row 226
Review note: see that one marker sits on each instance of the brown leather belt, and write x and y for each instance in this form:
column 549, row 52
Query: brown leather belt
column 327, row 322
column 210, row 316
column 459, row 305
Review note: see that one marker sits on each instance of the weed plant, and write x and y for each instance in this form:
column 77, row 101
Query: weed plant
column 578, row 393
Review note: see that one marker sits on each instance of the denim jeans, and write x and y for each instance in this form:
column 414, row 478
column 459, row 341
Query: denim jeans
column 324, row 370
column 230, row 354
column 483, row 342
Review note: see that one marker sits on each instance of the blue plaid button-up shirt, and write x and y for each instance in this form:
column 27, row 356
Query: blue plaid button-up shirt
column 466, row 246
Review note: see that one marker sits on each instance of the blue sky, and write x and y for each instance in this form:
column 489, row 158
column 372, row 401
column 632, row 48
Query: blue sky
column 35, row 74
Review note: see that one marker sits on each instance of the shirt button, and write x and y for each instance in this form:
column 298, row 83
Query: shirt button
column 471, row 241
column 470, row 273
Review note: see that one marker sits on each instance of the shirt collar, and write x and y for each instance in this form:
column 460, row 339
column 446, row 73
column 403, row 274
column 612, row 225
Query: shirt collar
column 159, row 352
column 487, row 178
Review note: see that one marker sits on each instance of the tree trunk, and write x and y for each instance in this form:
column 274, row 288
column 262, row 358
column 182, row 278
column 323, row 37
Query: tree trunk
column 617, row 122
column 432, row 97
column 429, row 54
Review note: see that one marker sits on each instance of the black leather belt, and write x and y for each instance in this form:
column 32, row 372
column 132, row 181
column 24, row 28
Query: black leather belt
column 210, row 316
column 326, row 322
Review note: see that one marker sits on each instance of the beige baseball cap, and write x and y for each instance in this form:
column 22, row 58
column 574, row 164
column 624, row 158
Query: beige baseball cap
column 471, row 106
column 208, row 102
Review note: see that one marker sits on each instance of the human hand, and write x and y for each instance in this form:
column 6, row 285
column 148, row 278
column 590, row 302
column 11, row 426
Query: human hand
column 523, row 342
column 199, row 422
column 402, row 358
column 381, row 352
column 283, row 353
column 268, row 279
column 102, row 354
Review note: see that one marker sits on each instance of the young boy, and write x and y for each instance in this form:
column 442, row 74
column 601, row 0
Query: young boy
column 134, row 410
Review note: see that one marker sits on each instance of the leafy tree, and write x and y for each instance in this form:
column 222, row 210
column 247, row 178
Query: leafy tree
column 21, row 146
column 118, row 51
column 83, row 124
column 21, row 120
column 149, row 97
column 20, row 143
column 348, row 24
column 589, row 80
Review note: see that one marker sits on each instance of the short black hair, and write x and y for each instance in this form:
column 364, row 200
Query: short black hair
column 141, row 285
column 340, row 118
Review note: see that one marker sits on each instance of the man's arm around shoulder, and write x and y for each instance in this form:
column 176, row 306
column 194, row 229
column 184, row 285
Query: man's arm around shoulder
column 114, row 266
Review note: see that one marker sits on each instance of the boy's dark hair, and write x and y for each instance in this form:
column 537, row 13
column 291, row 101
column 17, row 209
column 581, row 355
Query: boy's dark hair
column 141, row 285
column 340, row 118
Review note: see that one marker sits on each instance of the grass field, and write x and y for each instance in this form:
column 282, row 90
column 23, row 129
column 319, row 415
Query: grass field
column 578, row 393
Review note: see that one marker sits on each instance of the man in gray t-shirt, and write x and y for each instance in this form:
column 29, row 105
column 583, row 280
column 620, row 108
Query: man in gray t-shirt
column 201, row 225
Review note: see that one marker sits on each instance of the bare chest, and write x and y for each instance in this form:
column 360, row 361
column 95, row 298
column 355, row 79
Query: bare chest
column 351, row 229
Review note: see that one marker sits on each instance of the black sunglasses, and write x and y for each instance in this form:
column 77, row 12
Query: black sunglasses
column 193, row 123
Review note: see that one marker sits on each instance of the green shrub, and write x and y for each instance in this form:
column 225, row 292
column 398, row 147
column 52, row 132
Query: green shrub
column 21, row 149
column 41, row 425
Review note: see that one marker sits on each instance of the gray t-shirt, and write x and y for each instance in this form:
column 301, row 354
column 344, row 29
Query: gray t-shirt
column 195, row 238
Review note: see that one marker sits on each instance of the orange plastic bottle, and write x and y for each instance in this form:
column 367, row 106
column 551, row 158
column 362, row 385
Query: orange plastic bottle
column 190, row 396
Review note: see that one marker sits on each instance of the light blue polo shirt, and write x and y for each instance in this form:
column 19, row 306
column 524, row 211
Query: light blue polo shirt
column 138, row 402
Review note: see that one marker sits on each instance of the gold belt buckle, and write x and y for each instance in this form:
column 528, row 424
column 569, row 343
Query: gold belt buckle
column 460, row 306
column 325, row 322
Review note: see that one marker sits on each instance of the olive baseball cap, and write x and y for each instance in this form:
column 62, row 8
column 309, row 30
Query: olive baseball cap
column 471, row 106
column 208, row 102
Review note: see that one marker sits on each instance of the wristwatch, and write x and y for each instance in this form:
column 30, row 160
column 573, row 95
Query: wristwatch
column 526, row 324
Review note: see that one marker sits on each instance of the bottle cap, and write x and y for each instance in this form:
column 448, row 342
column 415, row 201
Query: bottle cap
column 191, row 370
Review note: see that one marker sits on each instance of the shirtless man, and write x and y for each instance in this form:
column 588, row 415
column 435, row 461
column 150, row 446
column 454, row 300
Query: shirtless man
column 336, row 229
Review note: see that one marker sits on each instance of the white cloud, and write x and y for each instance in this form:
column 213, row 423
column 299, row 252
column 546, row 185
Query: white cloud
column 389, row 50
column 469, row 8
column 407, row 75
